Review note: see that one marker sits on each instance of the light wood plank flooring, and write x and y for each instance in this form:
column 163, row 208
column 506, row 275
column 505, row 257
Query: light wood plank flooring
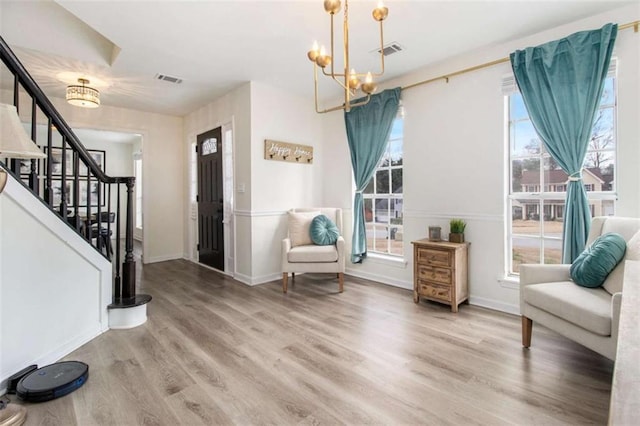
column 215, row 351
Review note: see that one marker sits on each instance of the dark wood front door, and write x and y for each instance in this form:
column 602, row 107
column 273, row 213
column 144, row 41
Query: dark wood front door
column 210, row 199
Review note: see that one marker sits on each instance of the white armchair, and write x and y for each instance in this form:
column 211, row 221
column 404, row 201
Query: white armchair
column 299, row 254
column 588, row 316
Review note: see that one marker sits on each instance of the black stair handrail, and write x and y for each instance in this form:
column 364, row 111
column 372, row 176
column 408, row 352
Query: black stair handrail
column 124, row 287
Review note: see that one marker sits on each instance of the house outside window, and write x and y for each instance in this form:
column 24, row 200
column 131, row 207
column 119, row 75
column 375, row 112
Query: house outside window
column 383, row 199
column 536, row 219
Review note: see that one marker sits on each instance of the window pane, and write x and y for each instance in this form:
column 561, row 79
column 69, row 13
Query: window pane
column 368, row 211
column 524, row 250
column 526, row 175
column 517, row 109
column 526, row 217
column 554, row 179
column 608, row 94
column 603, row 131
column 382, row 211
column 384, row 161
column 524, row 139
column 396, row 181
column 381, row 239
column 552, row 251
column 397, row 129
column 370, row 238
column 395, row 152
column 552, row 218
column 382, row 181
column 369, row 187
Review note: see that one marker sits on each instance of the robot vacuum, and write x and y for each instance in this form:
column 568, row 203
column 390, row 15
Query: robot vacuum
column 52, row 381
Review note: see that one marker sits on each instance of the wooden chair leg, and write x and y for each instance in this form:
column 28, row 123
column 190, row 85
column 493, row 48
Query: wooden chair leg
column 527, row 325
column 285, row 281
column 341, row 281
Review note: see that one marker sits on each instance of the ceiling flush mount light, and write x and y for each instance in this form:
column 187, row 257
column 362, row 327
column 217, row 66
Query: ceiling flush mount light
column 349, row 79
column 82, row 95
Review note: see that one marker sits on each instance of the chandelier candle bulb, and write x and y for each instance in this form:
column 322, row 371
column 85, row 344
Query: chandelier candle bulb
column 332, row 6
column 368, row 86
column 313, row 53
column 323, row 59
column 380, row 13
column 354, row 82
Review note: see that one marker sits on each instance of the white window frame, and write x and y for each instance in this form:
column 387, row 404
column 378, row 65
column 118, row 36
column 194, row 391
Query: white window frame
column 390, row 197
column 509, row 87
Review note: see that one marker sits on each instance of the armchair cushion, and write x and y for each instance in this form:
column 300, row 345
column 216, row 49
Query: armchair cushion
column 595, row 263
column 299, row 225
column 313, row 254
column 587, row 308
column 323, row 231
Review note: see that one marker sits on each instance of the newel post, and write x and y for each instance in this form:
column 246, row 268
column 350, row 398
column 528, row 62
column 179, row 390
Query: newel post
column 129, row 265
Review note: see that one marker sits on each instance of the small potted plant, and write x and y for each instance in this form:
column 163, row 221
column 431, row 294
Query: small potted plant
column 456, row 230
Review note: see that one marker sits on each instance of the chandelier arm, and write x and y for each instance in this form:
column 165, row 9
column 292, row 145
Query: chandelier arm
column 345, row 55
column 315, row 85
column 336, row 74
column 332, row 55
column 378, row 74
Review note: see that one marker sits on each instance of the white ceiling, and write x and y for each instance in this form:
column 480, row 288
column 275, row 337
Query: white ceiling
column 215, row 46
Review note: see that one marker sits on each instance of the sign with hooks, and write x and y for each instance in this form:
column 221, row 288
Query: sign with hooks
column 291, row 152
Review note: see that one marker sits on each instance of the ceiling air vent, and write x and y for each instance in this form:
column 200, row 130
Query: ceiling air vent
column 389, row 49
column 168, row 78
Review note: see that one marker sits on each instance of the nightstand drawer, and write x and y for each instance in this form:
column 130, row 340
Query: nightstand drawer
column 433, row 291
column 427, row 256
column 440, row 275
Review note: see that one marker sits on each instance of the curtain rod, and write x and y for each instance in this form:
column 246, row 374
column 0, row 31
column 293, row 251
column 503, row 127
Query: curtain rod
column 446, row 77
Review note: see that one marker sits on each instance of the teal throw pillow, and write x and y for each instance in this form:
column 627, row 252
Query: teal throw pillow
column 323, row 231
column 593, row 265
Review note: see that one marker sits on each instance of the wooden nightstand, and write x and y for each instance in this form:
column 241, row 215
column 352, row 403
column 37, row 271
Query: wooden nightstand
column 440, row 272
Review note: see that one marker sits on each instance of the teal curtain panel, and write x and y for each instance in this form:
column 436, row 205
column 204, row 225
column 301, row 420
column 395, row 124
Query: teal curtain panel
column 561, row 83
column 368, row 128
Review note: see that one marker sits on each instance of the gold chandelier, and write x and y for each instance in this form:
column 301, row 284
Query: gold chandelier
column 350, row 81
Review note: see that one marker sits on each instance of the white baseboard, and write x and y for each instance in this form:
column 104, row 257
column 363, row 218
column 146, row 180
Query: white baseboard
column 251, row 281
column 380, row 279
column 55, row 354
column 473, row 300
column 164, row 258
column 495, row 305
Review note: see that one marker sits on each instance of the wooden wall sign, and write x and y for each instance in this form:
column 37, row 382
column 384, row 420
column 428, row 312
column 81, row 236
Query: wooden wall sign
column 292, row 152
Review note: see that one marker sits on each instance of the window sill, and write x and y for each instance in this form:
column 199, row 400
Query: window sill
column 510, row 281
column 395, row 261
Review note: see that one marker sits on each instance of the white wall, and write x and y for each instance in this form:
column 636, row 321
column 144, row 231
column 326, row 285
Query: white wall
column 163, row 170
column 278, row 185
column 54, row 288
column 235, row 108
column 455, row 151
column 260, row 112
column 163, row 167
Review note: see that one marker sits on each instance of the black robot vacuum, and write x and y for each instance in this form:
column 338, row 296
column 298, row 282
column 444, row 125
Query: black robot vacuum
column 52, row 381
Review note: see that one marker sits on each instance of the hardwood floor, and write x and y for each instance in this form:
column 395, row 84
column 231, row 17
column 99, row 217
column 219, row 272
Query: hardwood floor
column 215, row 351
